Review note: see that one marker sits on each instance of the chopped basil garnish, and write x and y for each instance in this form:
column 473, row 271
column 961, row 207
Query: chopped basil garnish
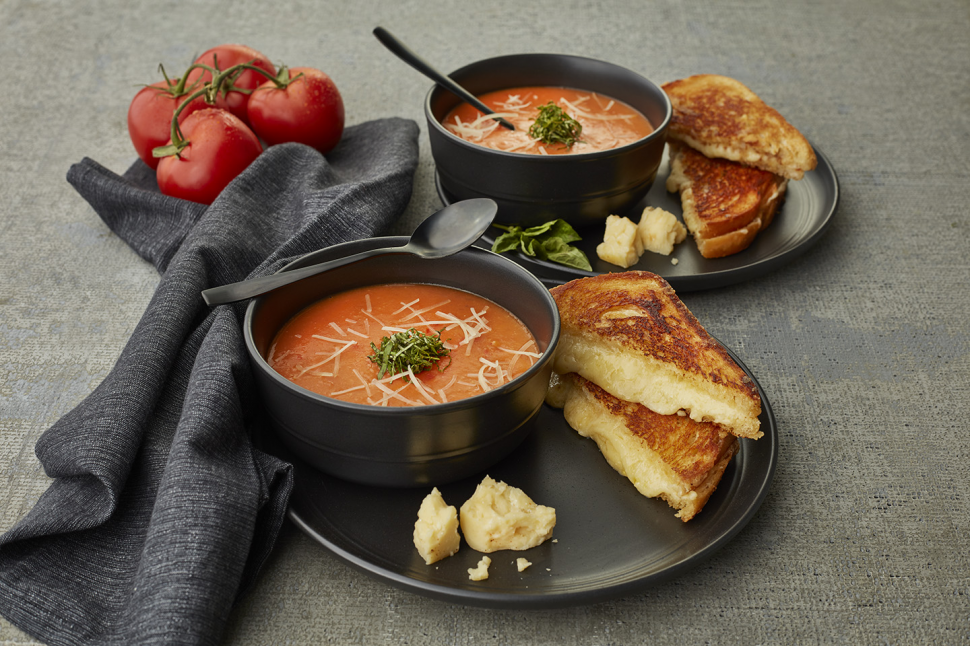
column 554, row 126
column 410, row 348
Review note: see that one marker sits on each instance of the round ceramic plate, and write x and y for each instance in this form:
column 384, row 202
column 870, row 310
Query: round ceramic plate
column 804, row 217
column 609, row 541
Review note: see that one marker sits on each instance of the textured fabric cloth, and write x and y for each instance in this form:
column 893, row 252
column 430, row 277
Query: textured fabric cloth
column 161, row 511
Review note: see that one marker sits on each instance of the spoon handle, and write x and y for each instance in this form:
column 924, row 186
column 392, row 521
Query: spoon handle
column 401, row 51
column 258, row 286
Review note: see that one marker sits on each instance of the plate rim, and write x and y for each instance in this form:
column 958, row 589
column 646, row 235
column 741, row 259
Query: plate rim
column 705, row 280
column 586, row 596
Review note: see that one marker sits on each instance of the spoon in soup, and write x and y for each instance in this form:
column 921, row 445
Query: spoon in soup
column 400, row 50
column 441, row 234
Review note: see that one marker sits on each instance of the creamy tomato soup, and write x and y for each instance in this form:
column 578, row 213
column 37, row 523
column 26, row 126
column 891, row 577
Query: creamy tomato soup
column 607, row 123
column 325, row 347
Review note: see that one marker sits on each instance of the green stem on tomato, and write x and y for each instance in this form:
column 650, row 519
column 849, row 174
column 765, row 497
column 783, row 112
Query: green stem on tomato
column 179, row 88
column 282, row 78
column 221, row 81
column 178, row 142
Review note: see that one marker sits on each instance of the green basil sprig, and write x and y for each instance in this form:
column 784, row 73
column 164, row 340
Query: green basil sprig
column 554, row 126
column 549, row 241
column 411, row 348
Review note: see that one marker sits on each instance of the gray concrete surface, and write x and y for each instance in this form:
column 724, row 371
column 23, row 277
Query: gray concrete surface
column 861, row 344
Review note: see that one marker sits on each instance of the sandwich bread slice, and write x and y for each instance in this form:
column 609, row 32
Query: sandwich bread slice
column 724, row 204
column 667, row 456
column 722, row 118
column 632, row 336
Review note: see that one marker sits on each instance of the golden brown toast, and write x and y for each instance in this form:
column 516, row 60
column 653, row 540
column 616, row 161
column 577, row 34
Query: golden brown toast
column 667, row 456
column 724, row 204
column 631, row 335
column 721, row 117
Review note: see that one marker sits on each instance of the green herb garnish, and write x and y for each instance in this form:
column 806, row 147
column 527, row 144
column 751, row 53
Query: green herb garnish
column 410, row 348
column 549, row 241
column 554, row 126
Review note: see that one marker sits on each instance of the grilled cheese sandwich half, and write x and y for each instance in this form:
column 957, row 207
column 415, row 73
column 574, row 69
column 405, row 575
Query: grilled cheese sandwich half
column 725, row 205
column 721, row 117
column 665, row 456
column 631, row 335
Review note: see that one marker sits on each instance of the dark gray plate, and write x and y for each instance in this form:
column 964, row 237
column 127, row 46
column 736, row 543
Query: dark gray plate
column 804, row 217
column 610, row 540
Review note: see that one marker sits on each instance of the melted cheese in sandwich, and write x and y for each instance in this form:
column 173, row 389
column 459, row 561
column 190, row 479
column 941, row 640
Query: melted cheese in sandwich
column 644, row 380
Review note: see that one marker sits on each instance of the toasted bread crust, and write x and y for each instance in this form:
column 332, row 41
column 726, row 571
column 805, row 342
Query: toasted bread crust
column 724, row 204
column 721, row 117
column 638, row 314
column 668, row 456
column 663, row 328
column 690, row 448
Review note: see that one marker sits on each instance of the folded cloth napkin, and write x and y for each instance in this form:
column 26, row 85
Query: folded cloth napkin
column 161, row 511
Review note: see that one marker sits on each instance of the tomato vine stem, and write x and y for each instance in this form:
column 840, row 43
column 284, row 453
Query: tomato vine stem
column 222, row 81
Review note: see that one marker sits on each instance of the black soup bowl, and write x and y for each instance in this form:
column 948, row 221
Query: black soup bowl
column 582, row 189
column 404, row 446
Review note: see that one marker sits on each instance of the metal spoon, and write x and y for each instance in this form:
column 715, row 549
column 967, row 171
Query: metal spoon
column 441, row 234
column 401, row 51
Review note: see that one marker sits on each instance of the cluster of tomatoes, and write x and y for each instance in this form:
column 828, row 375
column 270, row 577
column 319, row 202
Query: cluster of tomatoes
column 201, row 130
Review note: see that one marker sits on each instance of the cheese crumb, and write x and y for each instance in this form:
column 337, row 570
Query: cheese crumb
column 660, row 230
column 621, row 245
column 436, row 530
column 522, row 564
column 480, row 573
column 500, row 517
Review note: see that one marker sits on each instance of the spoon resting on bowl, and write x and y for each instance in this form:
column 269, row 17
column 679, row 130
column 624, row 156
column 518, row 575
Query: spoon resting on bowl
column 441, row 234
column 400, row 50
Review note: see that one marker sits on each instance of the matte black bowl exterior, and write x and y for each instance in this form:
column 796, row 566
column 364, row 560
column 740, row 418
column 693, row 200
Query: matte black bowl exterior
column 402, row 447
column 531, row 189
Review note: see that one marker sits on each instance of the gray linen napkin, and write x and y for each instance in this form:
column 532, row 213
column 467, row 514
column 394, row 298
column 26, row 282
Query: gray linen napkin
column 161, row 511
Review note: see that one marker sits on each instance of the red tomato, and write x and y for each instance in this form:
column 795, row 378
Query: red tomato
column 225, row 56
column 150, row 116
column 308, row 110
column 220, row 147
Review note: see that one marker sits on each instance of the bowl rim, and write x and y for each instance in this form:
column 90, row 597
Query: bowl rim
column 406, row 411
column 658, row 131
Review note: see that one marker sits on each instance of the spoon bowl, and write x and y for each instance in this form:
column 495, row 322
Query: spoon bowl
column 443, row 233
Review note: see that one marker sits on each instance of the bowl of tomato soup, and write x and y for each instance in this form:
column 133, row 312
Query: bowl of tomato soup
column 399, row 371
column 588, row 139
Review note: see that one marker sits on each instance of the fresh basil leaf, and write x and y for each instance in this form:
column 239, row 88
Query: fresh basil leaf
column 561, row 229
column 505, row 242
column 529, row 246
column 569, row 256
column 539, row 229
column 547, row 241
column 558, row 251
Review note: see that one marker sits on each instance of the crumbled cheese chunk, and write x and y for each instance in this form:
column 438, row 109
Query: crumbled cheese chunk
column 500, row 517
column 621, row 245
column 480, row 573
column 660, row 230
column 436, row 530
column 522, row 564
